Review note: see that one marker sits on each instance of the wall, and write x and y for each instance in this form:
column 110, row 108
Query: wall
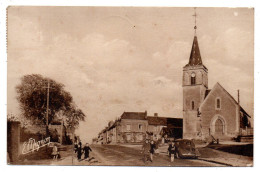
column 228, row 113
column 13, row 140
column 134, row 134
column 190, row 120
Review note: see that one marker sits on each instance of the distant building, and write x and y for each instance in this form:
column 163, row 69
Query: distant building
column 155, row 126
column 161, row 128
column 135, row 127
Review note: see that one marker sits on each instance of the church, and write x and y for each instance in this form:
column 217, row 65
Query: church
column 208, row 112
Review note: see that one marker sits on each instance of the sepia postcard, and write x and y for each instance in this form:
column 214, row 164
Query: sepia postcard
column 130, row 86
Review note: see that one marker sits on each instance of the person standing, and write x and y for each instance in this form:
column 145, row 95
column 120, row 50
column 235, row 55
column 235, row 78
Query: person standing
column 79, row 151
column 152, row 150
column 171, row 150
column 146, row 149
column 86, row 150
column 55, row 152
column 75, row 147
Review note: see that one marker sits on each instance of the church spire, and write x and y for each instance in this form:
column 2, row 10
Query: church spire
column 195, row 21
column 195, row 58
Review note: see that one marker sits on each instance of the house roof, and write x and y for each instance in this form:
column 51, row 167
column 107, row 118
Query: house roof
column 152, row 120
column 170, row 122
column 134, row 115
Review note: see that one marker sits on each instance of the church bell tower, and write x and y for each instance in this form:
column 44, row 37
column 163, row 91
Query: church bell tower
column 195, row 84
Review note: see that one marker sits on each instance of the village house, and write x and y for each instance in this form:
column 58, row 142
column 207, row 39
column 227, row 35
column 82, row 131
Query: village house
column 135, row 127
column 161, row 128
column 155, row 126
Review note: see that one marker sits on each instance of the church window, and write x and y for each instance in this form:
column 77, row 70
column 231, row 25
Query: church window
column 193, row 79
column 218, row 103
column 192, row 105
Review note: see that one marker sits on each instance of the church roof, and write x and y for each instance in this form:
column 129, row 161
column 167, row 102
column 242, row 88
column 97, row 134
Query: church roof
column 195, row 58
column 232, row 98
column 207, row 92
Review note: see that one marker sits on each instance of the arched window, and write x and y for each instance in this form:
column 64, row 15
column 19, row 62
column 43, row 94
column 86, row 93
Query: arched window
column 192, row 105
column 193, row 79
column 218, row 103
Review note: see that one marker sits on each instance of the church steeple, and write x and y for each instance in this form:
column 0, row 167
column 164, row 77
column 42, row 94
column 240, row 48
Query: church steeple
column 195, row 58
column 194, row 84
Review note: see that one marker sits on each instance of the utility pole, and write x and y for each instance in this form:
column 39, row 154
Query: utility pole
column 47, row 108
column 48, row 95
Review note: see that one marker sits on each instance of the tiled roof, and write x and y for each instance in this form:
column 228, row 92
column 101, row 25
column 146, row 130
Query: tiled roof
column 134, row 115
column 157, row 120
column 170, row 122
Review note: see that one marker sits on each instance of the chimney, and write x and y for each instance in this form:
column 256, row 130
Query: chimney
column 155, row 114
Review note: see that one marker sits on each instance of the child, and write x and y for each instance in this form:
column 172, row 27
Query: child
column 146, row 149
column 55, row 152
column 152, row 150
column 86, row 150
column 171, row 150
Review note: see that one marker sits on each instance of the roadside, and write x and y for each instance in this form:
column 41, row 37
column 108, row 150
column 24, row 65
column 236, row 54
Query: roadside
column 227, row 153
column 231, row 159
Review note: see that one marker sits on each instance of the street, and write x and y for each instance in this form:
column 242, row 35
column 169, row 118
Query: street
column 116, row 155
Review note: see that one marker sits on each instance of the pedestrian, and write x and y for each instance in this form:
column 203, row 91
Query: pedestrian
column 79, row 151
column 152, row 150
column 86, row 150
column 171, row 150
column 55, row 152
column 75, row 147
column 146, row 150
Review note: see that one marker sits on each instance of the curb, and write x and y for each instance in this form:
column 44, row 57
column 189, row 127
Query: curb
column 217, row 162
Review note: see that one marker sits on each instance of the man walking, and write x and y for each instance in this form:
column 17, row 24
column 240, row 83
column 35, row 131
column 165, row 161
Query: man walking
column 152, row 150
column 79, row 151
column 86, row 150
column 146, row 150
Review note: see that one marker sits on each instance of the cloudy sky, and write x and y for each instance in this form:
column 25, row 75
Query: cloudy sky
column 129, row 59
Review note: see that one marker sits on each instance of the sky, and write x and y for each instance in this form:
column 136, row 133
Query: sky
column 116, row 59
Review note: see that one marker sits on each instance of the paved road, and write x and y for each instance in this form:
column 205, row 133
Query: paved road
column 125, row 156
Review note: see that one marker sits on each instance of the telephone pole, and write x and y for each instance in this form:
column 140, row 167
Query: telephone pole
column 47, row 107
column 48, row 95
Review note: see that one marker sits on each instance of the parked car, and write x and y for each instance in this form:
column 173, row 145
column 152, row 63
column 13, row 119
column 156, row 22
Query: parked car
column 186, row 149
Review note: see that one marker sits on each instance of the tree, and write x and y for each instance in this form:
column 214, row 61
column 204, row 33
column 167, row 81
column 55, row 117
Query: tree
column 32, row 98
column 73, row 116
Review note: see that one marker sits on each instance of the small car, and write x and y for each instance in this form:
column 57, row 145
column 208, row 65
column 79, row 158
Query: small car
column 185, row 149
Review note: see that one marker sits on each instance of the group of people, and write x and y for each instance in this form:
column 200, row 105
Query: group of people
column 149, row 147
column 79, row 150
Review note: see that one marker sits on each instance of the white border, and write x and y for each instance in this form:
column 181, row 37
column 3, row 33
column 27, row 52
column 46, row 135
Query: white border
column 178, row 3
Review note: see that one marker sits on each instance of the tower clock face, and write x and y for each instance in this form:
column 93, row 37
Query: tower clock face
column 193, row 74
